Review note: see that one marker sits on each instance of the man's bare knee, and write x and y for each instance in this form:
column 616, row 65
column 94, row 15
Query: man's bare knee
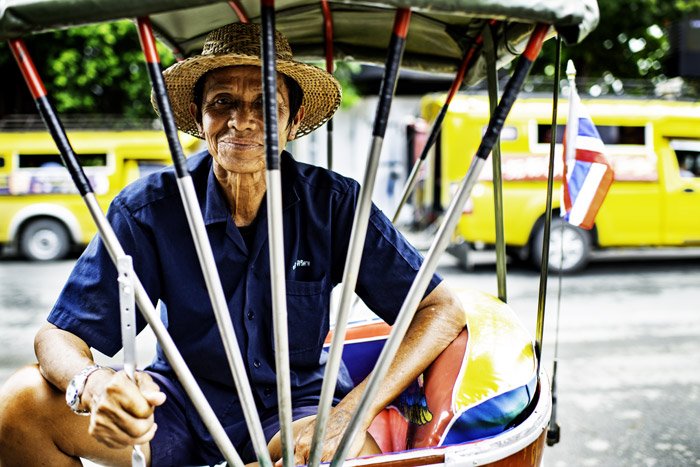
column 21, row 397
column 30, row 413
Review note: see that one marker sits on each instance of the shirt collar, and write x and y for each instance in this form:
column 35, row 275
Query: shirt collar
column 215, row 207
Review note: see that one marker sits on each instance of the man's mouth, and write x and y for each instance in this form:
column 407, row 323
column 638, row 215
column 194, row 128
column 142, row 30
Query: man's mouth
column 241, row 144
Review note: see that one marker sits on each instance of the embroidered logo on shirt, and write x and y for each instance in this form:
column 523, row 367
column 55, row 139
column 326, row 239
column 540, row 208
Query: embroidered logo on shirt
column 300, row 263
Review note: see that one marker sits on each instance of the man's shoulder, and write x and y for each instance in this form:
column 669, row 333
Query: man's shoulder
column 320, row 179
column 162, row 184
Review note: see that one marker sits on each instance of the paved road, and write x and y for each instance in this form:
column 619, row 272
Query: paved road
column 629, row 359
column 629, row 351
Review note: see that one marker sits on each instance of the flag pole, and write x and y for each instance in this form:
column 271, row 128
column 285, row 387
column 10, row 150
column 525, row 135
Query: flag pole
column 571, row 131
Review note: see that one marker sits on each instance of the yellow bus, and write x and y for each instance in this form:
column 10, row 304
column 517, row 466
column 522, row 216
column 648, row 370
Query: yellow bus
column 42, row 216
column 654, row 147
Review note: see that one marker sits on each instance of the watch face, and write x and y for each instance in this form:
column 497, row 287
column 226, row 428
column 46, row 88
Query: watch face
column 72, row 398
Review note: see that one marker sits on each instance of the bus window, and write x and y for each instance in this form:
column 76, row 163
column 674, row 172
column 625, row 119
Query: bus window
column 688, row 156
column 610, row 134
column 688, row 163
column 35, row 161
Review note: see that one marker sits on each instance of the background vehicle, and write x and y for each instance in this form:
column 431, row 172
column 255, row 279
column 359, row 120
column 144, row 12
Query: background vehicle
column 654, row 147
column 42, row 216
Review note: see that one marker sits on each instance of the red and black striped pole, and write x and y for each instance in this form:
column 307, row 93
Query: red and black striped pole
column 442, row 239
column 117, row 253
column 467, row 62
column 49, row 115
column 511, row 91
column 275, row 229
column 150, row 53
column 328, row 46
column 239, row 10
column 202, row 245
column 359, row 229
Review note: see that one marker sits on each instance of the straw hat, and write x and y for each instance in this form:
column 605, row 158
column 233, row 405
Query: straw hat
column 239, row 44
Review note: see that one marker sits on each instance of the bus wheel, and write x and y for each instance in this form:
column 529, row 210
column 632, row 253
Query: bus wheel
column 576, row 249
column 44, row 240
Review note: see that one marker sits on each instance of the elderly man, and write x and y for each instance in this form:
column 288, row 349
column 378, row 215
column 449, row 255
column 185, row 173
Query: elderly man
column 218, row 97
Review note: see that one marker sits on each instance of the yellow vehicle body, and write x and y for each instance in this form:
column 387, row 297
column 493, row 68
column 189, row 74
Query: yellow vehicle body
column 654, row 201
column 41, row 213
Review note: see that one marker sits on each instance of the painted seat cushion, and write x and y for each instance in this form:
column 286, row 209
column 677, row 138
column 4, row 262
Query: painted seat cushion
column 475, row 389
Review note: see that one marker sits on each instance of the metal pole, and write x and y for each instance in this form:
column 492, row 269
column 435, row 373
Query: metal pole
column 437, row 126
column 127, row 305
column 359, row 228
column 202, row 245
column 115, row 250
column 328, row 45
column 554, row 430
column 275, row 229
column 544, row 267
column 492, row 78
column 239, row 10
column 442, row 238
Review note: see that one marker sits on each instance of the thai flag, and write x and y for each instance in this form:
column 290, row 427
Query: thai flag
column 588, row 172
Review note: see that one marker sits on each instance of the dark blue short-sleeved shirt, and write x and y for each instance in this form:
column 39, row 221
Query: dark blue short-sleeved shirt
column 318, row 209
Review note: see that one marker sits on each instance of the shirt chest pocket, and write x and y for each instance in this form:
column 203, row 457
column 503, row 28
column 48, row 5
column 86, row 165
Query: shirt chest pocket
column 308, row 305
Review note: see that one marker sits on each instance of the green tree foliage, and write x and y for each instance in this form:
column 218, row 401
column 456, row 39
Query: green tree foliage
column 631, row 42
column 92, row 69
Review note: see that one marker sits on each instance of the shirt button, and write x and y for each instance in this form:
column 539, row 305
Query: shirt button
column 251, row 314
column 256, row 363
column 267, row 391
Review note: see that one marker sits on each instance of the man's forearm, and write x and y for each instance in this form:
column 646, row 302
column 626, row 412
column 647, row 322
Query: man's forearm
column 437, row 322
column 60, row 354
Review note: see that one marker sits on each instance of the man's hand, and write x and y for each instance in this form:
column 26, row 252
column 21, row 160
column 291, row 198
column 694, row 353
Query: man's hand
column 122, row 410
column 338, row 421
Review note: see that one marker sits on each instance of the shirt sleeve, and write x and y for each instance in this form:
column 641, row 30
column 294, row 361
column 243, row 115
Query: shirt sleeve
column 389, row 262
column 88, row 305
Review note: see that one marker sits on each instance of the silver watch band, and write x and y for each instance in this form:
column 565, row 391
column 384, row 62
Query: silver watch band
column 75, row 388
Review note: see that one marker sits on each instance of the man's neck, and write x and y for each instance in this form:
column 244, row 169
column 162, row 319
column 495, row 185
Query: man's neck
column 244, row 193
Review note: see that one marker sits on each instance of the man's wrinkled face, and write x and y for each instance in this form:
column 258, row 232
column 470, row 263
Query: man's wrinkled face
column 232, row 117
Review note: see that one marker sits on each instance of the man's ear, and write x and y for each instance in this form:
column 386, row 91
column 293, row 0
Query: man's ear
column 196, row 116
column 294, row 127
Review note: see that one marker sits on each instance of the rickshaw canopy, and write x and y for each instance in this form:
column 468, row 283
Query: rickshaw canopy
column 440, row 30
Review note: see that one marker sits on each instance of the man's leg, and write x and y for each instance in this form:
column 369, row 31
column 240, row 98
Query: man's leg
column 38, row 428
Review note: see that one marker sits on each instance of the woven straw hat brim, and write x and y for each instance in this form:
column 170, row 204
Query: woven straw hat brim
column 322, row 92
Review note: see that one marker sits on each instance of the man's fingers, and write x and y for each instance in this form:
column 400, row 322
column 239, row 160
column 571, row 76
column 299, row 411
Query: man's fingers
column 155, row 398
column 130, row 396
column 149, row 389
column 121, row 433
column 301, row 454
column 145, row 382
column 148, row 436
column 123, row 415
column 112, row 416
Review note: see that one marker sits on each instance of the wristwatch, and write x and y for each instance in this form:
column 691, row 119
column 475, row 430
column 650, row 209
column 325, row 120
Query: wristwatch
column 76, row 387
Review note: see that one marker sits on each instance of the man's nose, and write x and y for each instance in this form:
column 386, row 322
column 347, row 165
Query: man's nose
column 244, row 117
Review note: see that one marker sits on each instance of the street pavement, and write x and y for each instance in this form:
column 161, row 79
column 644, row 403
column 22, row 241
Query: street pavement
column 628, row 347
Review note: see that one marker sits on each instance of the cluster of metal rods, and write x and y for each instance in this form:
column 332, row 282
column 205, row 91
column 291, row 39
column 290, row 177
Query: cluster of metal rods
column 274, row 205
